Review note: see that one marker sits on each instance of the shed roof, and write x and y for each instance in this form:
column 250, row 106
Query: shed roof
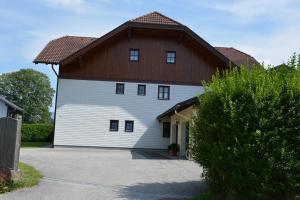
column 10, row 104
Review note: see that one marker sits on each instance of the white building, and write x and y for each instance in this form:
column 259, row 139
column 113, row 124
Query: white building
column 112, row 89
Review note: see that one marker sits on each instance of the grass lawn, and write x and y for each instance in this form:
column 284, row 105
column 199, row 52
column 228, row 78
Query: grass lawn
column 35, row 144
column 31, row 177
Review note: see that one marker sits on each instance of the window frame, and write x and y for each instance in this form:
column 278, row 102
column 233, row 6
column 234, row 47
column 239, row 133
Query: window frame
column 138, row 55
column 141, row 85
column 174, row 52
column 117, row 88
column 163, row 86
column 125, row 127
column 168, row 135
column 110, row 125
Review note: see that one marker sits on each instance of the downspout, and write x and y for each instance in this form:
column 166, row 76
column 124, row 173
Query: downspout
column 57, row 80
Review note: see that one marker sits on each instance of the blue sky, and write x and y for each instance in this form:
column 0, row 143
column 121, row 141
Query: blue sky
column 267, row 29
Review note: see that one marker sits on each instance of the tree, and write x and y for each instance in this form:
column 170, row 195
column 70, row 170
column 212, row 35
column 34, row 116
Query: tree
column 30, row 90
column 246, row 133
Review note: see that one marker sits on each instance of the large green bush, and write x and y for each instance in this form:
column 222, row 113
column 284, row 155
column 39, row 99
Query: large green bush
column 37, row 132
column 246, row 134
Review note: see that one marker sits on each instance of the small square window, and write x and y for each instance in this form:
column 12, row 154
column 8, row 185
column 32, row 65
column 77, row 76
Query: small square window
column 134, row 55
column 129, row 126
column 171, row 57
column 163, row 92
column 120, row 88
column 114, row 125
column 166, row 129
column 141, row 90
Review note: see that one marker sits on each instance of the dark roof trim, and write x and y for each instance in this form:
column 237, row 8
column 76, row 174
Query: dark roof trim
column 131, row 24
column 10, row 104
column 179, row 107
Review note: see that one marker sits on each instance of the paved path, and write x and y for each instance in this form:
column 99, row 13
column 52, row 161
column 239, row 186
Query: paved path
column 99, row 174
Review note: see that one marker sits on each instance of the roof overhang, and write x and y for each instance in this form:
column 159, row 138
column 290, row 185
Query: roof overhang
column 179, row 107
column 131, row 24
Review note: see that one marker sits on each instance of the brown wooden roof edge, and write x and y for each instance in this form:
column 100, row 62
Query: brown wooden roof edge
column 130, row 24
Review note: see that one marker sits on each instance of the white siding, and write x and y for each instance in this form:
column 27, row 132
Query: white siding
column 85, row 108
column 3, row 109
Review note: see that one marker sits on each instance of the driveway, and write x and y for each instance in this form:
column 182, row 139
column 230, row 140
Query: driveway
column 99, row 174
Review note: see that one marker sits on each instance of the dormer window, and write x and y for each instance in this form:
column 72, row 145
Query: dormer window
column 134, row 55
column 171, row 57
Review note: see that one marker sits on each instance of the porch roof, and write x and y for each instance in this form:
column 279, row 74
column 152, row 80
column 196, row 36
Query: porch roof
column 179, row 107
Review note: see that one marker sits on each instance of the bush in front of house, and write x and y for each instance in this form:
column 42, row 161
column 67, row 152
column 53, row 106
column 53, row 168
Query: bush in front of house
column 37, row 132
column 246, row 134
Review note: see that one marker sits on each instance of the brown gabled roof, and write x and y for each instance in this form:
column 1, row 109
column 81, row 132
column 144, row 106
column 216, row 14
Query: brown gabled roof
column 68, row 48
column 156, row 18
column 237, row 56
column 58, row 49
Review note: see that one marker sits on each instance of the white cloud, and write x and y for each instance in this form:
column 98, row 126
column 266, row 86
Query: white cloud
column 245, row 11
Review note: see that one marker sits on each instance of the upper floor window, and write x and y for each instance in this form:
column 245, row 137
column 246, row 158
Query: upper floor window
column 129, row 126
column 141, row 90
column 120, row 88
column 163, row 92
column 134, row 55
column 171, row 57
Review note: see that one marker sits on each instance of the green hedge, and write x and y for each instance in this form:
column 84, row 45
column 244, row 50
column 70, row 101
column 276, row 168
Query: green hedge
column 246, row 134
column 37, row 132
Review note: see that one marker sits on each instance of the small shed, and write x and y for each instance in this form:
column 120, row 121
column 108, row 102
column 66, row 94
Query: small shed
column 9, row 109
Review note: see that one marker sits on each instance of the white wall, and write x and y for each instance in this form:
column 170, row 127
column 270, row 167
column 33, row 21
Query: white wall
column 84, row 109
column 3, row 109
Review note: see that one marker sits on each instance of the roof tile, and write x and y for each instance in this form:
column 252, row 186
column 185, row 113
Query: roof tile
column 236, row 56
column 60, row 48
column 156, row 18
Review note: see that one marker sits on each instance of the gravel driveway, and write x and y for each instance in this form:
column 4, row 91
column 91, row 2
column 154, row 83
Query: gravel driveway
column 98, row 174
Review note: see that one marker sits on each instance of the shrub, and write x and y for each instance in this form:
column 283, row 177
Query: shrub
column 37, row 132
column 246, row 133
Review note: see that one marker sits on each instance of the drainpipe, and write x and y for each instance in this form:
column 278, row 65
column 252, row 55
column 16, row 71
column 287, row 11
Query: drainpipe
column 57, row 79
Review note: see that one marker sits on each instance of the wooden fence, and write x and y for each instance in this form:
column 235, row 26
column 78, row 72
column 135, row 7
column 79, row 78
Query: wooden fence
column 10, row 141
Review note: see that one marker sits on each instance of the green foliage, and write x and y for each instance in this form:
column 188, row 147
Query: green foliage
column 246, row 133
column 30, row 178
column 30, row 90
column 37, row 132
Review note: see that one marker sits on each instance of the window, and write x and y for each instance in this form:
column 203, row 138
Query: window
column 120, row 88
column 171, row 57
column 134, row 55
column 166, row 129
column 163, row 92
column 114, row 125
column 141, row 90
column 128, row 126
